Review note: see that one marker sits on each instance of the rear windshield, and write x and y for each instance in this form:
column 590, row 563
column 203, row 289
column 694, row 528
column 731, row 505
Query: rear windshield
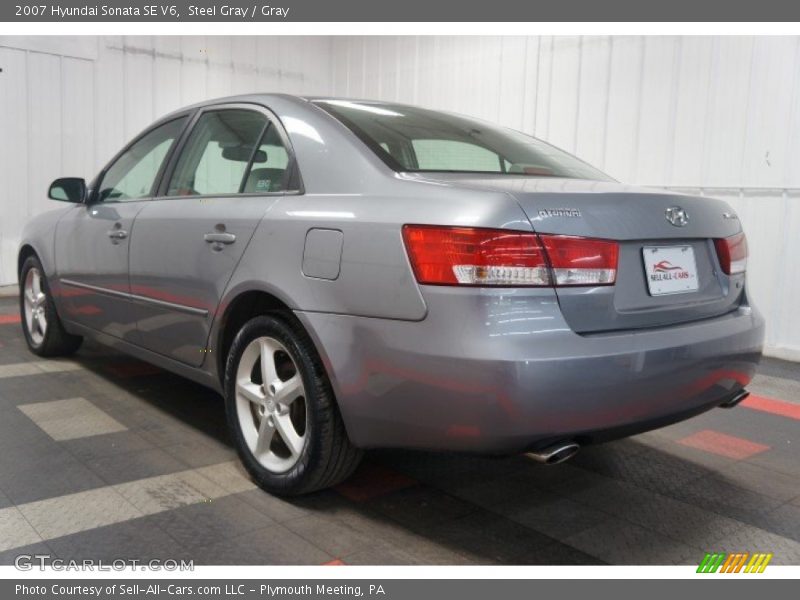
column 414, row 139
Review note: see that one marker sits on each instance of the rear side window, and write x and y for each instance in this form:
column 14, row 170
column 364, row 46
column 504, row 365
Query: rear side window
column 218, row 153
column 132, row 175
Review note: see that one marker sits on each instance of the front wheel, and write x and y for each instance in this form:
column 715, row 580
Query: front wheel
column 43, row 330
column 282, row 412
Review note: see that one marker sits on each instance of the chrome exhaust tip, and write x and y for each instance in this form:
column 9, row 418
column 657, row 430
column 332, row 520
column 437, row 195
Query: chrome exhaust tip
column 555, row 454
column 735, row 399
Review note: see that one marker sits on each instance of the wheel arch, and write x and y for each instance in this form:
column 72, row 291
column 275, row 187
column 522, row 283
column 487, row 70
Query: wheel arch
column 252, row 302
column 237, row 310
column 25, row 251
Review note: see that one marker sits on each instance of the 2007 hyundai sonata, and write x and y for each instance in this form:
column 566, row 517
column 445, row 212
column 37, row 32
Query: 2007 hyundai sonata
column 357, row 274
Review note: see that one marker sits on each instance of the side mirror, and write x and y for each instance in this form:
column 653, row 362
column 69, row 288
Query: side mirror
column 68, row 189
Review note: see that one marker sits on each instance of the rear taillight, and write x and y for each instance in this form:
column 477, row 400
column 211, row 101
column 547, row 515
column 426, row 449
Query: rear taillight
column 732, row 253
column 581, row 261
column 496, row 257
column 469, row 256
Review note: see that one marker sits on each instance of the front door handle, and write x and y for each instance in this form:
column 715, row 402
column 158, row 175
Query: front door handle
column 220, row 238
column 117, row 234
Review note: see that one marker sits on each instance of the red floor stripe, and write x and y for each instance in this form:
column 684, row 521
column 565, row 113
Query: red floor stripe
column 723, row 444
column 9, row 319
column 775, row 407
column 335, row 562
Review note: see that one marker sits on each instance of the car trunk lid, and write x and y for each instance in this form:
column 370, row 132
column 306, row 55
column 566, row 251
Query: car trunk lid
column 667, row 273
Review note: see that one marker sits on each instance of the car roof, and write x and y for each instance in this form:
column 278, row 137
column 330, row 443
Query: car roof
column 266, row 98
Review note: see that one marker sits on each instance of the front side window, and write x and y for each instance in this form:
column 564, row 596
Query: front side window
column 219, row 152
column 415, row 139
column 133, row 174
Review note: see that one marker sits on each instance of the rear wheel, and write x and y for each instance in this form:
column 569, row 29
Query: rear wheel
column 43, row 330
column 282, row 412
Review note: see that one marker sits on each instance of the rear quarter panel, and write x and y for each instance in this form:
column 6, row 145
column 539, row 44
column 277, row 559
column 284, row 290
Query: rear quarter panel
column 375, row 277
column 348, row 188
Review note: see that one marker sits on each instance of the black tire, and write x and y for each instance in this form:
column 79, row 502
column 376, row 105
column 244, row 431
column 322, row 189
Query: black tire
column 56, row 341
column 327, row 457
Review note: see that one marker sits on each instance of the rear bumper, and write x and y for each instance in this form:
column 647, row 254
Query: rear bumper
column 499, row 371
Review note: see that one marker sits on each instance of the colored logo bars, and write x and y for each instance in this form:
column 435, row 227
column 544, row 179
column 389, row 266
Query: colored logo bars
column 735, row 562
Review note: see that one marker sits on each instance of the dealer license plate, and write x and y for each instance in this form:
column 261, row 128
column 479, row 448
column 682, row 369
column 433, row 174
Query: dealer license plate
column 670, row 269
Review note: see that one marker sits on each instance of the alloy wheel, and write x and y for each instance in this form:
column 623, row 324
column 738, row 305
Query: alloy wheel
column 271, row 404
column 35, row 301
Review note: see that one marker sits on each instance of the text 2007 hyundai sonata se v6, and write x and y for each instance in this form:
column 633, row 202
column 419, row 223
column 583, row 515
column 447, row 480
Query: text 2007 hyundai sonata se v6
column 356, row 274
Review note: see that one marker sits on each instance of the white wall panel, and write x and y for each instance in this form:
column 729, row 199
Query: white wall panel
column 624, row 106
column 732, row 61
column 166, row 74
column 512, row 82
column 109, row 98
column 44, row 100
column 770, row 102
column 77, row 115
column 219, row 73
column 565, row 92
column 137, row 85
column 658, row 96
column 13, row 157
column 245, row 69
column 787, row 333
column 592, row 119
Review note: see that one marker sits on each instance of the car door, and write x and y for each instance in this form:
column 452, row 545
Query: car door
column 232, row 168
column 92, row 240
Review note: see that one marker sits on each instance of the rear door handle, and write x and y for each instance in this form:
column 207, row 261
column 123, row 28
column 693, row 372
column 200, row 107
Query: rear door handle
column 117, row 234
column 220, row 238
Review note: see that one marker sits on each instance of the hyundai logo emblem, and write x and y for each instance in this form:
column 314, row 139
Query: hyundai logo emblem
column 677, row 216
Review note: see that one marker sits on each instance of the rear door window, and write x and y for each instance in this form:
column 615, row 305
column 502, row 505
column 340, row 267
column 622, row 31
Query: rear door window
column 218, row 153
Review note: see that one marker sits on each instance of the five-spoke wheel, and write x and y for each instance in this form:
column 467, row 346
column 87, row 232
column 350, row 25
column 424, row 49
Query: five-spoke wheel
column 43, row 330
column 282, row 411
column 271, row 406
column 34, row 299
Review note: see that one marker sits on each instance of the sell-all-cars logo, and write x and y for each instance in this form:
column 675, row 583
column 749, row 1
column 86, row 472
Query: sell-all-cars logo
column 736, row 562
column 677, row 216
column 666, row 271
column 665, row 266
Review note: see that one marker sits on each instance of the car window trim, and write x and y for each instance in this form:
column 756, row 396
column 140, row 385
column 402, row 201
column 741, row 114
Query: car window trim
column 292, row 174
column 98, row 180
column 249, row 166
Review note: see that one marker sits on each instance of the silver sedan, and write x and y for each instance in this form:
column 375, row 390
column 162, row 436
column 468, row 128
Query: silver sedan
column 355, row 274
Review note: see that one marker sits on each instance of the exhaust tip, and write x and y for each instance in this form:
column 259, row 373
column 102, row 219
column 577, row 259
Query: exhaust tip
column 555, row 454
column 735, row 399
